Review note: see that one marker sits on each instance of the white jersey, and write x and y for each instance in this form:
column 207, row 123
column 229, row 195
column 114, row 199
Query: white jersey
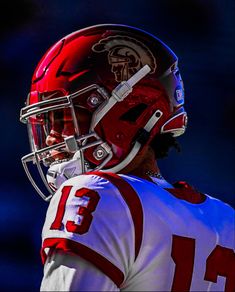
column 142, row 235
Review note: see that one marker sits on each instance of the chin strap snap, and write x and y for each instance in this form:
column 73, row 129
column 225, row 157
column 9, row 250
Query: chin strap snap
column 144, row 133
column 125, row 87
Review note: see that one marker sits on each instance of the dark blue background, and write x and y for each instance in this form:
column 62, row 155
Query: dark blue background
column 202, row 33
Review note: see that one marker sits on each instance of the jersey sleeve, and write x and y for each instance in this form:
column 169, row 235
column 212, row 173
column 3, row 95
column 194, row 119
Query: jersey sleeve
column 66, row 272
column 89, row 218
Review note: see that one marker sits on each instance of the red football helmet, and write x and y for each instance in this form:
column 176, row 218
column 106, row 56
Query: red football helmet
column 97, row 98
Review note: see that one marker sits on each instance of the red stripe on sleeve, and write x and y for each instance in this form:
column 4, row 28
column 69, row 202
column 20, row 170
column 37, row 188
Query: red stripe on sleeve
column 75, row 248
column 132, row 200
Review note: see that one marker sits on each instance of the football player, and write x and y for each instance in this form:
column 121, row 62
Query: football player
column 105, row 103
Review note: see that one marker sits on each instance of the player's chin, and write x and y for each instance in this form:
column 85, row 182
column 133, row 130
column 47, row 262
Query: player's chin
column 59, row 156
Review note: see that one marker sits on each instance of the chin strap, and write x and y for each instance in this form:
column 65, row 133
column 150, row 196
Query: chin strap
column 119, row 94
column 138, row 144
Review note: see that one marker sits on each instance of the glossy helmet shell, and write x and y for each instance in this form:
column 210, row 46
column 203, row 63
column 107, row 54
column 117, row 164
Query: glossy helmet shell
column 107, row 55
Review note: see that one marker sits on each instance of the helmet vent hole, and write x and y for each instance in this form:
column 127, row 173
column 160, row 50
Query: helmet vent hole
column 133, row 114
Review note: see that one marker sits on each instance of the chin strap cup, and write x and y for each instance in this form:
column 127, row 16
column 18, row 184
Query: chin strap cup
column 58, row 173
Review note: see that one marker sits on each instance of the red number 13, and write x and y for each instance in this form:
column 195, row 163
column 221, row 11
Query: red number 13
column 90, row 200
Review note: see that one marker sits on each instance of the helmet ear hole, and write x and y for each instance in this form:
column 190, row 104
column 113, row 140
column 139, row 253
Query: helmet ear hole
column 133, row 114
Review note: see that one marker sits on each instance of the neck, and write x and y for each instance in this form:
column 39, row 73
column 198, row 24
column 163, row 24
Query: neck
column 147, row 164
column 145, row 170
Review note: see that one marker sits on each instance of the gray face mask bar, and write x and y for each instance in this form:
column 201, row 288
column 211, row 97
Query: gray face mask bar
column 69, row 143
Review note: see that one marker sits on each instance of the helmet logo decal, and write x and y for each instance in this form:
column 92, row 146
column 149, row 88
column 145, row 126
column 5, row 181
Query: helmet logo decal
column 126, row 55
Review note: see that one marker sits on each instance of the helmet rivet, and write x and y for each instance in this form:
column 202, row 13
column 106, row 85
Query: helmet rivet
column 94, row 100
column 99, row 153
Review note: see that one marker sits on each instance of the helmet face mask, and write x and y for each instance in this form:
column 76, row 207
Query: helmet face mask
column 94, row 94
column 56, row 127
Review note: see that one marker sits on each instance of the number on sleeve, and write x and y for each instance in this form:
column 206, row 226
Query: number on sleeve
column 88, row 201
column 91, row 199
